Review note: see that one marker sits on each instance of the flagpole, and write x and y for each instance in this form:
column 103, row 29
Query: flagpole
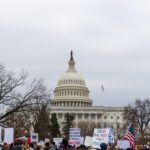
column 128, row 128
column 125, row 134
column 129, row 135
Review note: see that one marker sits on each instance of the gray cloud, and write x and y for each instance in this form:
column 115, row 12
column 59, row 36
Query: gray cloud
column 110, row 40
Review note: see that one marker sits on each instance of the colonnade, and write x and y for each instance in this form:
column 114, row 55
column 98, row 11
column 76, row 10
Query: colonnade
column 71, row 104
column 87, row 117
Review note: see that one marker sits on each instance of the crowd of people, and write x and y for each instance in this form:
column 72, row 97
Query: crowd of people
column 17, row 145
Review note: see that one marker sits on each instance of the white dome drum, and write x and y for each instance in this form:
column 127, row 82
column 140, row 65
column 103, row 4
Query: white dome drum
column 71, row 90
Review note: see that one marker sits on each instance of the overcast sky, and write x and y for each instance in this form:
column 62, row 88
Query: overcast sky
column 110, row 40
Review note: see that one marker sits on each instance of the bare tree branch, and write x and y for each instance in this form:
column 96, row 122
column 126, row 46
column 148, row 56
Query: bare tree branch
column 18, row 100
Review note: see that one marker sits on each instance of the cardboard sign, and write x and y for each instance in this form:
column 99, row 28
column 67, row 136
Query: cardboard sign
column 41, row 143
column 111, row 136
column 57, row 141
column 88, row 141
column 123, row 144
column 100, row 136
column 81, row 140
column 34, row 137
column 47, row 140
column 9, row 135
column 74, row 136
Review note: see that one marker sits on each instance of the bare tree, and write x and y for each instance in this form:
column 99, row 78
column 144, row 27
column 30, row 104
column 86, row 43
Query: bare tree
column 87, row 128
column 139, row 115
column 17, row 98
column 84, row 126
column 27, row 118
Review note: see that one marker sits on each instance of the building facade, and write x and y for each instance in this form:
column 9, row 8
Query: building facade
column 71, row 95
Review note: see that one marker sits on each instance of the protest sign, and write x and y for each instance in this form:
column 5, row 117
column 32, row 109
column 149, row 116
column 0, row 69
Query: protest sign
column 88, row 141
column 100, row 136
column 74, row 136
column 57, row 141
column 47, row 140
column 123, row 144
column 81, row 140
column 41, row 143
column 111, row 136
column 9, row 135
column 34, row 137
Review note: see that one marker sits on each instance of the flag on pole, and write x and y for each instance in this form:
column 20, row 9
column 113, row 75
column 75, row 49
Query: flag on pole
column 129, row 135
column 102, row 88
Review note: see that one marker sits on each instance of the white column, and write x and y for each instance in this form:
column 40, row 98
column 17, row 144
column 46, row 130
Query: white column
column 89, row 121
column 83, row 117
column 76, row 120
column 96, row 120
column 63, row 117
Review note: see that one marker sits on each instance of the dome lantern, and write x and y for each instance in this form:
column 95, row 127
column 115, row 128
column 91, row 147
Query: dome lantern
column 71, row 63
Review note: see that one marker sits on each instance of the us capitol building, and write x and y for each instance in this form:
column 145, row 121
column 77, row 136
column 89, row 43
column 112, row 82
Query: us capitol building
column 71, row 95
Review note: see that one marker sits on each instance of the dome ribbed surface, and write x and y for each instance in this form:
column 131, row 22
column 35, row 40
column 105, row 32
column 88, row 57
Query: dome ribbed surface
column 71, row 78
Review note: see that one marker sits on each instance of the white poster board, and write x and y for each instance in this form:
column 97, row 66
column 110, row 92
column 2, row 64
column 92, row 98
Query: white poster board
column 34, row 137
column 100, row 136
column 88, row 141
column 9, row 135
column 111, row 136
column 74, row 136
column 123, row 144
column 47, row 140
column 81, row 140
column 41, row 143
column 57, row 141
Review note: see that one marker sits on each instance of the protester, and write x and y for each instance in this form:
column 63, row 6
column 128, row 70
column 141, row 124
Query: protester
column 65, row 144
column 31, row 146
column 39, row 147
column 52, row 146
column 46, row 146
column 11, row 147
column 1, row 147
column 17, row 145
column 81, row 147
column 103, row 146
column 5, row 146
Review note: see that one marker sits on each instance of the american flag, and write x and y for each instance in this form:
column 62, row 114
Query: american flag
column 129, row 135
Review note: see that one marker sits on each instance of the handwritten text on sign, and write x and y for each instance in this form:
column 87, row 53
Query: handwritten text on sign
column 74, row 136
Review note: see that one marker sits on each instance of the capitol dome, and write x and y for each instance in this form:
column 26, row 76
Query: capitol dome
column 71, row 90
